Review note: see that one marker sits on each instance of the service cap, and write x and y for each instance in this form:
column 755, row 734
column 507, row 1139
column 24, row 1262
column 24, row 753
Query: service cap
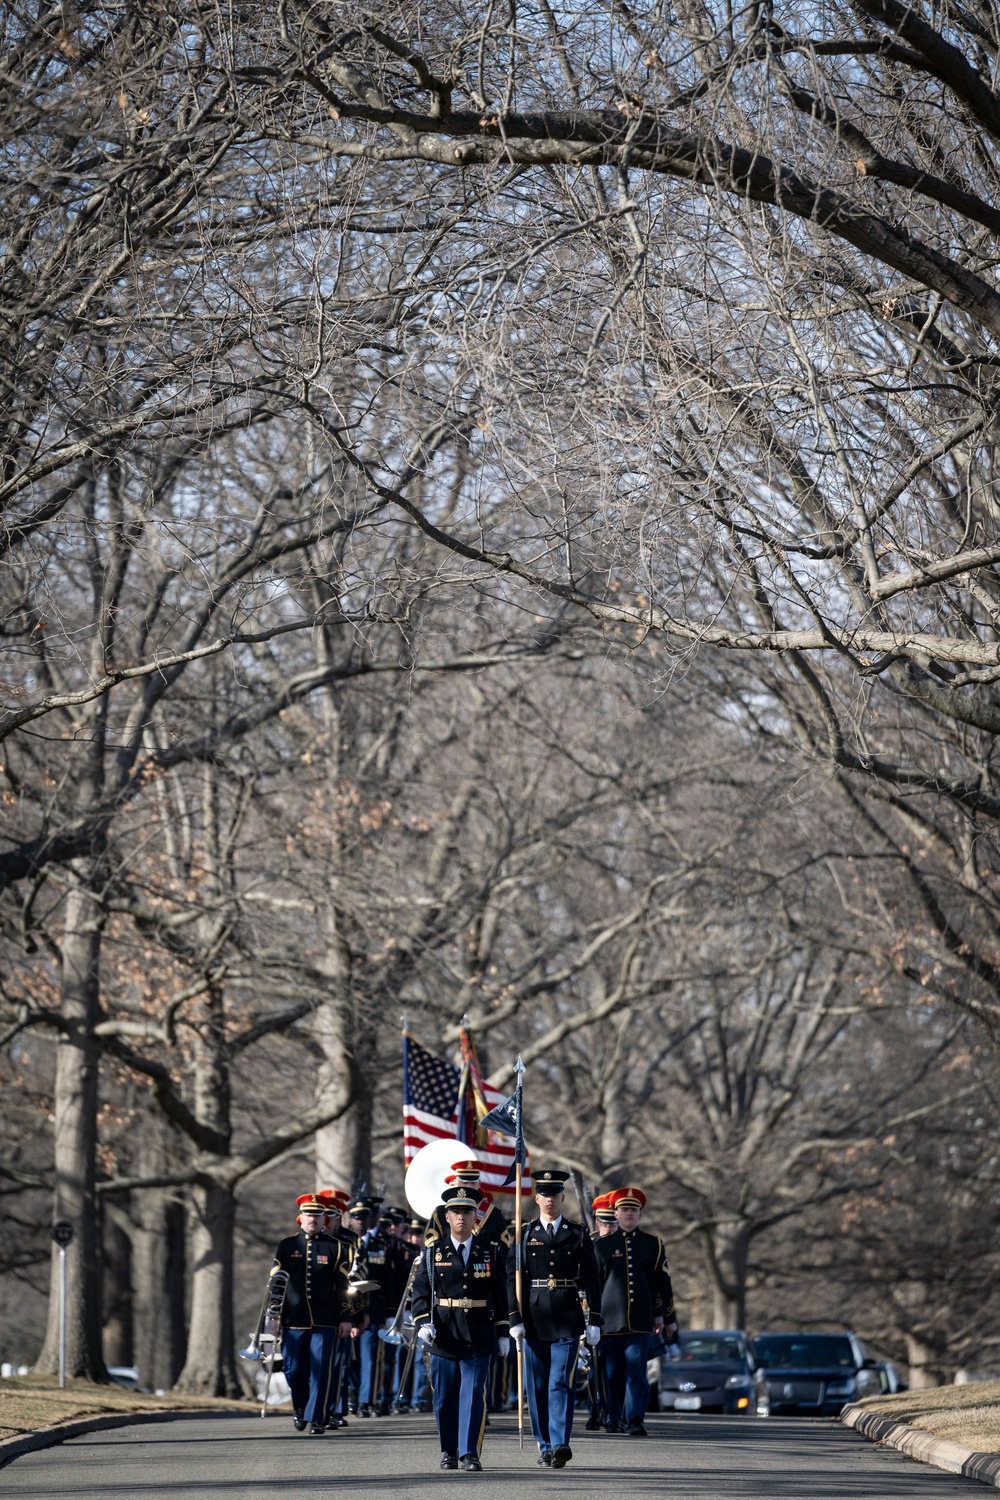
column 336, row 1198
column 551, row 1180
column 460, row 1198
column 602, row 1207
column 312, row 1203
column 628, row 1197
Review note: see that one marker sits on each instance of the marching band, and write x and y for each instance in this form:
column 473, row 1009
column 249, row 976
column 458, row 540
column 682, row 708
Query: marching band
column 372, row 1310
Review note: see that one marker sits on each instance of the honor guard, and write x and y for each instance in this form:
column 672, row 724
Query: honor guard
column 382, row 1260
column 605, row 1223
column 636, row 1301
column 490, row 1225
column 558, row 1266
column 460, row 1313
column 317, row 1311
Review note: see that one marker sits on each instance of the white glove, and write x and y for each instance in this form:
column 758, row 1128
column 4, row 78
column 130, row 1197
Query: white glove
column 503, row 1347
column 426, row 1334
column 517, row 1333
column 592, row 1335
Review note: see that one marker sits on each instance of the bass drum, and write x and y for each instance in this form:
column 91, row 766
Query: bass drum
column 425, row 1176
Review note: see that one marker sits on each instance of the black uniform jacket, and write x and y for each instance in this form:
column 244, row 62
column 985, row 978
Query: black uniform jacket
column 385, row 1261
column 551, row 1311
column 636, row 1281
column 317, row 1266
column 491, row 1229
column 462, row 1332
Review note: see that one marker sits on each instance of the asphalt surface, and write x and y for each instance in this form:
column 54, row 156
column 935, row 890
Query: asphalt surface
column 684, row 1457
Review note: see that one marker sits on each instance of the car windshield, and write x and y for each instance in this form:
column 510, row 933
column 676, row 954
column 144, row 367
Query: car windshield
column 709, row 1348
column 792, row 1351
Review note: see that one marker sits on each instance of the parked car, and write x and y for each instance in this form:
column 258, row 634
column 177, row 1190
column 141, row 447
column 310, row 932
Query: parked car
column 714, row 1372
column 811, row 1374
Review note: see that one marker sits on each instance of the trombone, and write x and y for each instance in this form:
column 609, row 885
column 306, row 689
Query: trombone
column 268, row 1331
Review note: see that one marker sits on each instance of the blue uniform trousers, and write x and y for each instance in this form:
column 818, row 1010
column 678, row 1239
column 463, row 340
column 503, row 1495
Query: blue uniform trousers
column 309, row 1358
column 371, row 1370
column 460, row 1402
column 420, row 1380
column 550, row 1366
column 626, row 1386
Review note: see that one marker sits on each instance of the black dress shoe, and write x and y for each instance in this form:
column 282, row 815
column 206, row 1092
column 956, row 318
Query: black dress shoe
column 299, row 1420
column 561, row 1455
column 545, row 1459
column 637, row 1429
column 401, row 1408
column 317, row 1429
column 471, row 1464
column 449, row 1461
column 364, row 1411
column 621, row 1426
column 424, row 1407
column 593, row 1424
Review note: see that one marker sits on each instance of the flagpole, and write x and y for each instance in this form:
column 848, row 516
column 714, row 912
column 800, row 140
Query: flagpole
column 519, row 1065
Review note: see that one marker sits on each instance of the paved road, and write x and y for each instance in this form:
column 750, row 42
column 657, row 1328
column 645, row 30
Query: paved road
column 683, row 1458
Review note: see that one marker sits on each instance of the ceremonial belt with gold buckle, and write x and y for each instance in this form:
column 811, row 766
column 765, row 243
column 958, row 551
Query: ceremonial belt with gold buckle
column 461, row 1302
column 551, row 1282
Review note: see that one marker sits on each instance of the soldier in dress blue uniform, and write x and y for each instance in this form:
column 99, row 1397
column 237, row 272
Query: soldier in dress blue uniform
column 337, row 1201
column 605, row 1223
column 637, row 1301
column 317, row 1311
column 558, row 1267
column 460, row 1313
column 384, row 1261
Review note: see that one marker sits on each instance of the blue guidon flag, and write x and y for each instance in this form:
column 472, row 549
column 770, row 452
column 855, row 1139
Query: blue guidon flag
column 431, row 1109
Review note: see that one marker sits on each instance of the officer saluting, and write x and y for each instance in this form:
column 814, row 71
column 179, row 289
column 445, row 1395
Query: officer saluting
column 317, row 1310
column 558, row 1264
column 637, row 1300
column 460, row 1312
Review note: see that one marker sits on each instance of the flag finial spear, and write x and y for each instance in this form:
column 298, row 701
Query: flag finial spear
column 519, row 1065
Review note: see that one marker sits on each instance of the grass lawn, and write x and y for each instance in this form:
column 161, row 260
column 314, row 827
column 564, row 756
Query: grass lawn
column 968, row 1414
column 28, row 1402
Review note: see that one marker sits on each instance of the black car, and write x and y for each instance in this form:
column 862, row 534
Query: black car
column 714, row 1372
column 811, row 1374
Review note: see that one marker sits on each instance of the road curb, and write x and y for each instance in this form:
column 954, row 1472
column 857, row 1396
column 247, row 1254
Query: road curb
column 48, row 1437
column 923, row 1446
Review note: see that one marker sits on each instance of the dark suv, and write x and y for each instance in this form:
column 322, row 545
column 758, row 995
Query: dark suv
column 811, row 1374
column 713, row 1373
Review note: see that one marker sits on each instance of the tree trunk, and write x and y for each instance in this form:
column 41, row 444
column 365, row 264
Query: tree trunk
column 725, row 1249
column 923, row 1370
column 158, row 1267
column 75, row 1143
column 343, row 1148
column 118, row 1342
column 210, row 1366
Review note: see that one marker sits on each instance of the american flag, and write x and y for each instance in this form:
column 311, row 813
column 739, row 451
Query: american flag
column 431, row 1113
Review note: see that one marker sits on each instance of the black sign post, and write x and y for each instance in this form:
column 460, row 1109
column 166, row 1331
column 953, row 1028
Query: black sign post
column 62, row 1233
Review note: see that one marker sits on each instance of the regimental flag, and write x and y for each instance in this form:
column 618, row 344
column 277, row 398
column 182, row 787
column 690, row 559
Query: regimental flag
column 435, row 1106
column 508, row 1117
